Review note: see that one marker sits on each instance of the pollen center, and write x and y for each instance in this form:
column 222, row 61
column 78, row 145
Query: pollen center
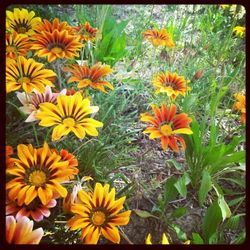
column 10, row 49
column 98, row 218
column 21, row 30
column 37, row 178
column 70, row 122
column 23, row 80
column 166, row 130
column 56, row 50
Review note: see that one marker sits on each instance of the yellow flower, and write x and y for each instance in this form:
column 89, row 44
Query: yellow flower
column 22, row 21
column 241, row 106
column 28, row 75
column 39, row 174
column 166, row 124
column 69, row 115
column 20, row 231
column 159, row 37
column 239, row 31
column 98, row 214
column 164, row 240
column 90, row 76
column 171, row 84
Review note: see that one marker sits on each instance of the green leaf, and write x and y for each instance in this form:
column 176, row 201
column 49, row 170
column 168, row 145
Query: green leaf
column 235, row 201
column 233, row 222
column 197, row 239
column 240, row 239
column 170, row 192
column 144, row 214
column 180, row 234
column 176, row 164
column 179, row 212
column 181, row 185
column 205, row 187
column 225, row 210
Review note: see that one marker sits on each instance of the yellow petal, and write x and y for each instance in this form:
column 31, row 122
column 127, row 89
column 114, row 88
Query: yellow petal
column 187, row 131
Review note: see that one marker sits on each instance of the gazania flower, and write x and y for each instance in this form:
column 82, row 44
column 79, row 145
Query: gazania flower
column 239, row 31
column 167, row 125
column 22, row 21
column 58, row 44
column 86, row 31
column 16, row 45
column 39, row 174
column 241, row 106
column 90, row 77
column 21, row 231
column 36, row 210
column 69, row 115
column 9, row 161
column 159, row 37
column 32, row 101
column 171, row 84
column 164, row 240
column 97, row 214
column 28, row 75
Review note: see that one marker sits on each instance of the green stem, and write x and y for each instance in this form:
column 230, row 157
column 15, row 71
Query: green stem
column 35, row 133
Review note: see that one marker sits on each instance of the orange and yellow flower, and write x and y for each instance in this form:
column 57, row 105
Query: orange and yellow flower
column 56, row 44
column 28, row 75
column 39, row 173
column 241, row 106
column 239, row 31
column 86, row 31
column 159, row 37
column 9, row 161
column 22, row 21
column 16, row 45
column 167, row 125
column 90, row 77
column 171, row 84
column 69, row 115
column 98, row 214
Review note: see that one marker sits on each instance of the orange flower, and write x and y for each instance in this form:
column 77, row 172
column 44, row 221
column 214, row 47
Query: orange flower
column 20, row 231
column 56, row 44
column 170, row 83
column 159, row 37
column 16, row 45
column 9, row 161
column 86, row 31
column 166, row 124
column 241, row 106
column 91, row 77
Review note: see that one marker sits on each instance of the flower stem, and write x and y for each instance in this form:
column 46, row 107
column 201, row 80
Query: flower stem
column 35, row 133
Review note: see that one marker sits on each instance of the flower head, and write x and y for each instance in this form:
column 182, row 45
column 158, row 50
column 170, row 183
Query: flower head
column 241, row 106
column 22, row 21
column 159, row 37
column 167, row 125
column 69, row 115
column 98, row 214
column 86, row 31
column 239, row 31
column 16, row 45
column 56, row 44
column 170, row 83
column 9, row 161
column 21, row 231
column 90, row 76
column 39, row 173
column 28, row 75
column 32, row 101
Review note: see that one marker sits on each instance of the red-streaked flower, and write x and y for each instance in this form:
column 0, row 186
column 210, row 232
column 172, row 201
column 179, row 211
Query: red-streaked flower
column 16, row 45
column 90, row 76
column 58, row 44
column 22, row 21
column 9, row 161
column 21, row 231
column 167, row 125
column 98, row 214
column 171, row 84
column 239, row 31
column 28, row 75
column 69, row 115
column 159, row 37
column 32, row 101
column 36, row 210
column 39, row 173
column 86, row 31
column 241, row 106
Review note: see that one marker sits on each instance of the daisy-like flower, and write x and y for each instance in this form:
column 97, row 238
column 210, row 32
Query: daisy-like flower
column 167, row 125
column 98, row 214
column 239, row 31
column 36, row 210
column 69, row 115
column 90, row 77
column 171, row 84
column 28, row 75
column 39, row 173
column 16, row 45
column 241, row 106
column 22, row 21
column 86, row 31
column 56, row 44
column 9, row 161
column 32, row 101
column 159, row 37
column 21, row 231
column 164, row 240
